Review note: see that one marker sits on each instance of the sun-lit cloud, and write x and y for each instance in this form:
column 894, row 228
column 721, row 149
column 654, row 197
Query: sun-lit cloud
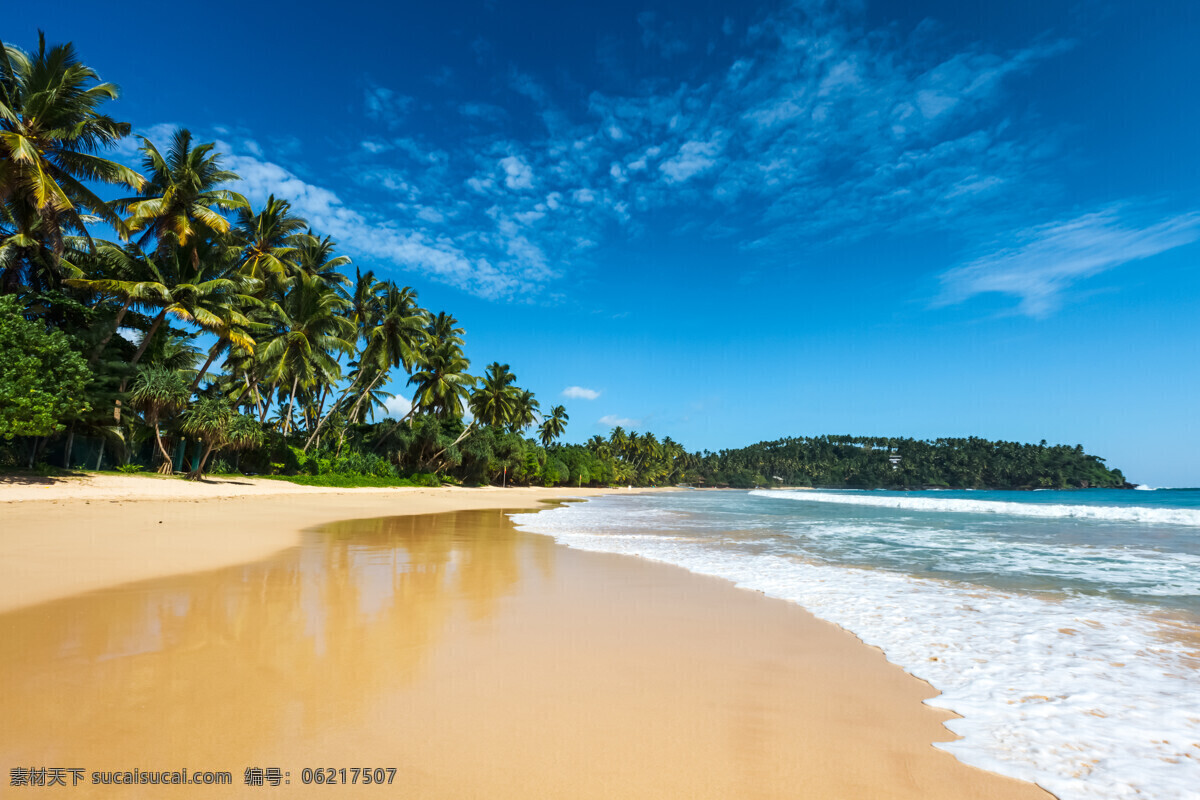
column 580, row 393
column 1043, row 262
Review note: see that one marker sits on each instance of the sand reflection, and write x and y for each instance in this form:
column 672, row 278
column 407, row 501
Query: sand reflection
column 217, row 670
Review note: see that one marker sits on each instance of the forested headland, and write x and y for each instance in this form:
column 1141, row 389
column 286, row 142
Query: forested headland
column 874, row 462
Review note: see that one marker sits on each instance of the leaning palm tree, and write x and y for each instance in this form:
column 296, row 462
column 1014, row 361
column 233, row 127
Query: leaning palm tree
column 159, row 390
column 51, row 128
column 553, row 426
column 182, row 200
column 122, row 275
column 394, row 339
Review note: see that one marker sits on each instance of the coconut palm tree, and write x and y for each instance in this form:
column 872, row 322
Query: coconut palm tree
column 270, row 240
column 181, row 200
column 317, row 257
column 310, row 331
column 553, row 426
column 124, row 275
column 441, row 380
column 493, row 401
column 394, row 339
column 51, row 129
column 525, row 410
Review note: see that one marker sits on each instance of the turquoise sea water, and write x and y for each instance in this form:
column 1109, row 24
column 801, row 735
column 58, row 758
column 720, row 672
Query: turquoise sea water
column 1062, row 625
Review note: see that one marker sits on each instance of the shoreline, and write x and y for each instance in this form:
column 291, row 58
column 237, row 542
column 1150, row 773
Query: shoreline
column 604, row 673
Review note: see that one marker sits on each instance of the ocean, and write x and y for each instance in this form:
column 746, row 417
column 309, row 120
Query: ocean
column 1062, row 626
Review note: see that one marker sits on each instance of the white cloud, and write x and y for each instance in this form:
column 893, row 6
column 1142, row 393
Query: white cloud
column 397, row 406
column 1048, row 259
column 693, row 158
column 612, row 421
column 517, row 174
column 580, row 393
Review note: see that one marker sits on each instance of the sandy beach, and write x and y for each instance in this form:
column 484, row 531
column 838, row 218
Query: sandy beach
column 158, row 625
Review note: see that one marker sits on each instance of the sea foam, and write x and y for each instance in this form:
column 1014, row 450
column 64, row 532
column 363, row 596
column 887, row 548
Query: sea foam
column 1158, row 516
column 1083, row 695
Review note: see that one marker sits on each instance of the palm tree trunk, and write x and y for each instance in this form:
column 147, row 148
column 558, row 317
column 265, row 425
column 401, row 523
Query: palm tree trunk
column 70, row 444
column 263, row 407
column 321, row 424
column 116, row 326
column 354, row 411
column 166, row 467
column 137, row 357
column 287, row 421
column 462, row 436
column 198, row 471
column 212, row 354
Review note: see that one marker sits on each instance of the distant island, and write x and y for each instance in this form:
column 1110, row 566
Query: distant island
column 869, row 462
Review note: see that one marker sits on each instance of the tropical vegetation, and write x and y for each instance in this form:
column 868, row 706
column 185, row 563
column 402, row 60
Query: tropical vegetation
column 875, row 462
column 178, row 327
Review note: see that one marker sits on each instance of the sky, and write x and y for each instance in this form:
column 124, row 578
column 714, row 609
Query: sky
column 729, row 222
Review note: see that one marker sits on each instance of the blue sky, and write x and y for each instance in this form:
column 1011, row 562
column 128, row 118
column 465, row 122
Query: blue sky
column 737, row 221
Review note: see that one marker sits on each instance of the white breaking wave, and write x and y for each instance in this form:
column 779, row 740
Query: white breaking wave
column 1160, row 516
column 1083, row 696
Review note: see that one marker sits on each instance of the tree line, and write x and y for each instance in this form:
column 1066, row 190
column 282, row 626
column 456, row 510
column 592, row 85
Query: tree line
column 897, row 463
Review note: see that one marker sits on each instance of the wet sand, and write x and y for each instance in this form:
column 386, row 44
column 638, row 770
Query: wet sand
column 476, row 660
column 59, row 537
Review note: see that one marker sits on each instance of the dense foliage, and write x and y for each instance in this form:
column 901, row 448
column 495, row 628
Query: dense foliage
column 870, row 462
column 210, row 335
column 42, row 379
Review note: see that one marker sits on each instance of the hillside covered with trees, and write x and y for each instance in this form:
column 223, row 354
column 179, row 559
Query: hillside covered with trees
column 872, row 462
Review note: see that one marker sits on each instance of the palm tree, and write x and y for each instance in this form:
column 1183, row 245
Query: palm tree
column 492, row 402
column 310, row 331
column 553, row 426
column 271, row 240
column 181, row 201
column 441, row 380
column 217, row 424
column 525, row 410
column 316, row 257
column 155, row 391
column 618, row 439
column 51, row 128
column 121, row 274
column 394, row 339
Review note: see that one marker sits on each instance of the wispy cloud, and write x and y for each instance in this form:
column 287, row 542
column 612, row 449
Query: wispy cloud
column 612, row 421
column 808, row 127
column 580, row 393
column 1043, row 262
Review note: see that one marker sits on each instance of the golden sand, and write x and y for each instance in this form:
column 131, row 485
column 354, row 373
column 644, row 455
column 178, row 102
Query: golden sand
column 475, row 660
